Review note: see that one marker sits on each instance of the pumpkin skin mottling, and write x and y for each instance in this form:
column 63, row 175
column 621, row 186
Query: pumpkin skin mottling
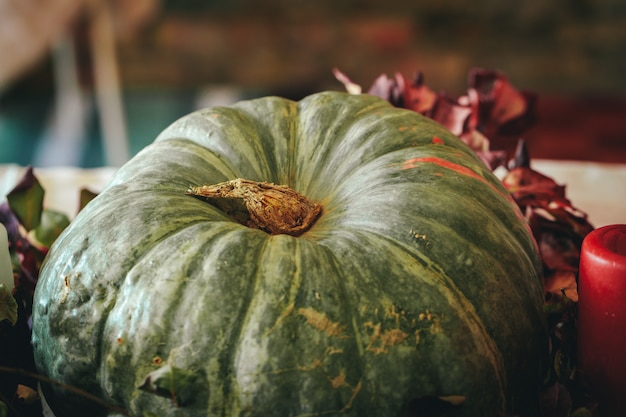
column 419, row 278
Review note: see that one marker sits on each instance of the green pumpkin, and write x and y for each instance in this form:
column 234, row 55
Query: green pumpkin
column 417, row 284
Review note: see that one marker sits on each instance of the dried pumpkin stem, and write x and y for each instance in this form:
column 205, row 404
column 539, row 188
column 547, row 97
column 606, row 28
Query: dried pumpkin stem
column 277, row 209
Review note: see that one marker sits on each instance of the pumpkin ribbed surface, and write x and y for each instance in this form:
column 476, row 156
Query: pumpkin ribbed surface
column 418, row 279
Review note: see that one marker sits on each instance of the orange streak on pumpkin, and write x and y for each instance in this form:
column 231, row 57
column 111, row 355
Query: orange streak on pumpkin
column 413, row 162
column 460, row 169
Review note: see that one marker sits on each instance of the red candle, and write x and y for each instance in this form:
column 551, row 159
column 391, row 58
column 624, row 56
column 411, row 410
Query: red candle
column 602, row 317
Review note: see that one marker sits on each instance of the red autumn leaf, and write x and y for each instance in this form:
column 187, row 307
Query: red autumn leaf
column 493, row 159
column 502, row 109
column 417, row 96
column 499, row 100
column 528, row 186
column 451, row 114
column 400, row 92
column 562, row 282
column 390, row 89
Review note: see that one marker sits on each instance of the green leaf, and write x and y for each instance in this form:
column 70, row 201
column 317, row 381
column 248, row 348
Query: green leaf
column 8, row 305
column 582, row 412
column 26, row 200
column 180, row 385
column 51, row 226
column 4, row 410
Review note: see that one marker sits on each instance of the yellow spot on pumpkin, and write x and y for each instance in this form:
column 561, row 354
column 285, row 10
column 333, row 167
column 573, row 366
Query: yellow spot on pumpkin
column 396, row 312
column 332, row 351
column 316, row 363
column 381, row 340
column 339, row 380
column 313, row 365
column 435, row 327
column 66, row 288
column 393, row 337
column 321, row 322
column 417, row 235
column 355, row 392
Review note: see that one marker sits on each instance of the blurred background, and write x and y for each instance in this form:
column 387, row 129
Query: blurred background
column 90, row 82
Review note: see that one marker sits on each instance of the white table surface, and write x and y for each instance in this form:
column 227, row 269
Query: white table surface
column 597, row 189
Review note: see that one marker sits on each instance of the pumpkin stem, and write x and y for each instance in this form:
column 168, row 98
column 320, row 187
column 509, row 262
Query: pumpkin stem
column 276, row 209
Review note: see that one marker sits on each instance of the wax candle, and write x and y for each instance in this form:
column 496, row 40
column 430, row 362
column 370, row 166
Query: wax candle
column 602, row 317
column 6, row 270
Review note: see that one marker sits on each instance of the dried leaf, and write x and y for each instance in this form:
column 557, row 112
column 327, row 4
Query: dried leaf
column 559, row 251
column 26, row 394
column 529, row 187
column 450, row 113
column 85, row 197
column 493, row 159
column 491, row 106
column 521, row 158
column 390, row 89
column 350, row 86
column 557, row 304
column 417, row 96
column 562, row 282
column 502, row 109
